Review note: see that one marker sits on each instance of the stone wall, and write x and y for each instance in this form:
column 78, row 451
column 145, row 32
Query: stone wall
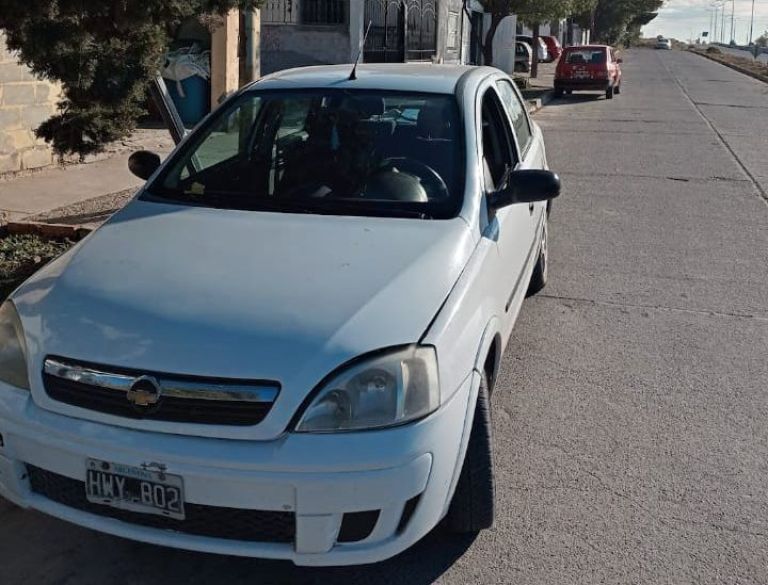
column 25, row 102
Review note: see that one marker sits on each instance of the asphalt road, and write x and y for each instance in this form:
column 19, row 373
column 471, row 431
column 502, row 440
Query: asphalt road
column 631, row 442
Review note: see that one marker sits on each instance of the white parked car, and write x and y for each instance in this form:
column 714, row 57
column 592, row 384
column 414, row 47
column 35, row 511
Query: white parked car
column 285, row 345
column 664, row 44
column 544, row 56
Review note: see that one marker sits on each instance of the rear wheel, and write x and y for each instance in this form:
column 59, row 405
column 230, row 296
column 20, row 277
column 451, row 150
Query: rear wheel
column 609, row 93
column 541, row 271
column 558, row 92
column 472, row 507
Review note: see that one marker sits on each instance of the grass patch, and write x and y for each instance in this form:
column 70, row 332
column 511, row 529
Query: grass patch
column 23, row 255
column 746, row 65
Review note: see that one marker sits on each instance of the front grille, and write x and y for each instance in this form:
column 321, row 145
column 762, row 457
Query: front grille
column 210, row 521
column 105, row 389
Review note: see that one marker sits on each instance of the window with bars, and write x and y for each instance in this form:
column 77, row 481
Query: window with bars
column 323, row 12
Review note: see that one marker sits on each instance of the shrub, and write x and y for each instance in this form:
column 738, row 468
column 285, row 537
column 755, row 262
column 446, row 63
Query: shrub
column 714, row 51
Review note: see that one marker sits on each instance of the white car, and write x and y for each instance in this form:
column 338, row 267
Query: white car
column 285, row 344
column 543, row 49
column 664, row 44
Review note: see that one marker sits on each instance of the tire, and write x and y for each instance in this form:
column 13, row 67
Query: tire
column 472, row 507
column 541, row 270
column 609, row 93
column 558, row 93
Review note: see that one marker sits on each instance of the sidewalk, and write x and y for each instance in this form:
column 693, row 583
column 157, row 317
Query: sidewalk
column 46, row 191
column 542, row 86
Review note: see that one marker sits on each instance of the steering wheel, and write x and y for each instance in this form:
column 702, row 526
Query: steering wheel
column 430, row 179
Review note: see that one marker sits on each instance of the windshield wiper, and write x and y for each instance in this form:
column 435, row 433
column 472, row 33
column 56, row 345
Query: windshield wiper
column 330, row 206
column 363, row 208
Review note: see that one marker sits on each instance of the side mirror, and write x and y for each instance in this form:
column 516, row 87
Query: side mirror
column 527, row 187
column 144, row 163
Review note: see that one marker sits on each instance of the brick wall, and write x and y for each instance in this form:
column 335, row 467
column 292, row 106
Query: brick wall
column 25, row 102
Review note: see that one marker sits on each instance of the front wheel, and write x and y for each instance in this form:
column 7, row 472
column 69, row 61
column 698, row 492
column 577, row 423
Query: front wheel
column 472, row 507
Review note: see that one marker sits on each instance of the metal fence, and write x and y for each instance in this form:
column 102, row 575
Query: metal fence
column 279, row 12
column 324, row 11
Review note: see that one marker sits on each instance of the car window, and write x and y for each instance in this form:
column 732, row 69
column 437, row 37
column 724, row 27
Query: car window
column 498, row 144
column 586, row 57
column 517, row 113
column 342, row 152
column 224, row 139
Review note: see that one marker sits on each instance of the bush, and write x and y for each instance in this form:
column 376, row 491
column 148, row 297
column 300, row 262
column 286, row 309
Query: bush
column 22, row 256
column 104, row 53
column 714, row 51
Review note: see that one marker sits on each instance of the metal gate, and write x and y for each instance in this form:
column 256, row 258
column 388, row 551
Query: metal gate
column 401, row 30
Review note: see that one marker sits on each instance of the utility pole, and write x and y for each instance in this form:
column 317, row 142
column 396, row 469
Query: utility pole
column 722, row 24
column 733, row 20
column 751, row 24
column 713, row 34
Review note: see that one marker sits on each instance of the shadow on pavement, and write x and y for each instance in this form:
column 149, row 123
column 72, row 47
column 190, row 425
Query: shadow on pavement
column 576, row 98
column 94, row 558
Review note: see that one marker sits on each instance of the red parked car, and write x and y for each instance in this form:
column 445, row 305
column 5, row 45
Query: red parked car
column 588, row 67
column 554, row 47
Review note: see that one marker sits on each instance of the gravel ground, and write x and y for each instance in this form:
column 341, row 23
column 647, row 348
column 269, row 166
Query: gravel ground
column 90, row 213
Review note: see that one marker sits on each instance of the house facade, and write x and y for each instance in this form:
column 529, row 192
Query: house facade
column 297, row 33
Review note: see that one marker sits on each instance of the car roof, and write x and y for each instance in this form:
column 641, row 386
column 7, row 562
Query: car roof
column 588, row 47
column 421, row 77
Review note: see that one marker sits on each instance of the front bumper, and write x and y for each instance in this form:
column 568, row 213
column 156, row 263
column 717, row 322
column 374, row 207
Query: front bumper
column 317, row 478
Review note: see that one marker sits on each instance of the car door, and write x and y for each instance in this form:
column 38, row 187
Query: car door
column 528, row 142
column 513, row 225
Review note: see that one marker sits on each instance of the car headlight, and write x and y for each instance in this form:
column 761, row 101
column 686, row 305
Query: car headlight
column 13, row 349
column 384, row 390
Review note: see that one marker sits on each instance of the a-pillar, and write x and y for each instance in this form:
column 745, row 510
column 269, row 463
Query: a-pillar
column 225, row 62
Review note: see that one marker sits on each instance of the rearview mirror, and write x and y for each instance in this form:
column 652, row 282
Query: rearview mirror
column 527, row 187
column 144, row 163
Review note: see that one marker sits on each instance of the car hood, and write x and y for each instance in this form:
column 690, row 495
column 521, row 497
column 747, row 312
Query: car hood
column 234, row 294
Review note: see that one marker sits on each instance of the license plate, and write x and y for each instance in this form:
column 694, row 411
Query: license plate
column 134, row 489
column 581, row 75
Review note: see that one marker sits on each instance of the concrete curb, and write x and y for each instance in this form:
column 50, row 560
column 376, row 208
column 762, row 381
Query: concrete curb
column 47, row 230
column 739, row 68
column 539, row 103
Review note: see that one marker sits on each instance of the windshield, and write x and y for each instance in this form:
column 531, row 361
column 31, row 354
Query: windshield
column 586, row 57
column 339, row 152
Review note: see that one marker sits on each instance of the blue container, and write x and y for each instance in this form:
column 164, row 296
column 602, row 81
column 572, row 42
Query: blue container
column 195, row 104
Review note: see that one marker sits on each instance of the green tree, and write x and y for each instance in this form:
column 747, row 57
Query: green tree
column 531, row 12
column 762, row 40
column 104, row 53
column 619, row 21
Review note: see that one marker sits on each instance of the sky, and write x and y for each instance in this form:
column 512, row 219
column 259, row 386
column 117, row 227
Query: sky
column 686, row 19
